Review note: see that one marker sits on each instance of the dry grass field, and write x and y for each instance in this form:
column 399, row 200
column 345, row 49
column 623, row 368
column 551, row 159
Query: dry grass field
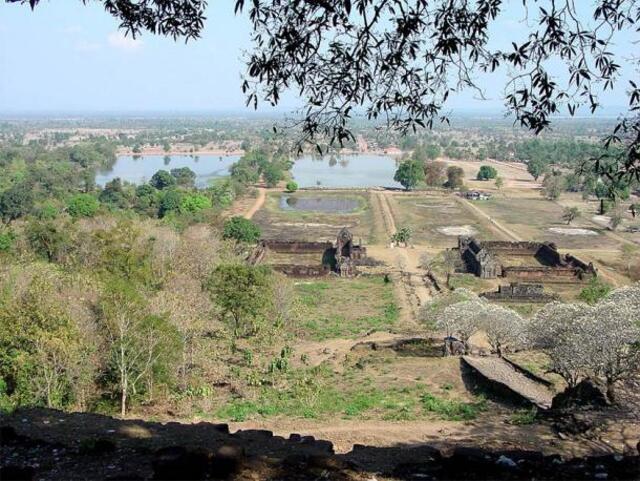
column 437, row 220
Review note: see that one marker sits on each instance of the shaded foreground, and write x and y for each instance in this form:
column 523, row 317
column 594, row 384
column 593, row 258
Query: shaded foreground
column 47, row 444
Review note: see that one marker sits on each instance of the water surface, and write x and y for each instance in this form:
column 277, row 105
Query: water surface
column 327, row 204
column 344, row 171
column 362, row 170
column 139, row 169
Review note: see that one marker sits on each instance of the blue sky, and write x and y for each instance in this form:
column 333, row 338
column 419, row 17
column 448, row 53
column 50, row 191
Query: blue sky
column 65, row 56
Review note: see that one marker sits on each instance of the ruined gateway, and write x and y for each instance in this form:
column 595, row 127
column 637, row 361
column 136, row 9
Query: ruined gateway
column 341, row 258
column 483, row 258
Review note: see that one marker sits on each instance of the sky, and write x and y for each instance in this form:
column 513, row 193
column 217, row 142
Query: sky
column 68, row 57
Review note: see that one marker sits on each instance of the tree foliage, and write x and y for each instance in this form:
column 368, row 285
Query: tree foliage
column 241, row 230
column 243, row 294
column 409, row 173
column 487, row 172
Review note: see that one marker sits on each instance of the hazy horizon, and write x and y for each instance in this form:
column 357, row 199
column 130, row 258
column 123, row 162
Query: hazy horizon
column 70, row 58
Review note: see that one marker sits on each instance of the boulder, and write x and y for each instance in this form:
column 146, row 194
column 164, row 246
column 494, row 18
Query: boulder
column 586, row 394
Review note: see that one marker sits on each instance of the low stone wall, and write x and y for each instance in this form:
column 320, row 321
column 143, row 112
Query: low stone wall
column 296, row 247
column 295, row 270
column 548, row 274
column 512, row 248
column 516, row 292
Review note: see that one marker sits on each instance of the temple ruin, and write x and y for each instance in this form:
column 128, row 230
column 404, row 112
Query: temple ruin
column 516, row 292
column 522, row 261
column 311, row 259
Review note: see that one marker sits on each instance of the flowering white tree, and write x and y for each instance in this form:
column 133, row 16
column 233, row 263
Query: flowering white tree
column 610, row 339
column 461, row 320
column 600, row 342
column 553, row 323
column 504, row 327
column 629, row 295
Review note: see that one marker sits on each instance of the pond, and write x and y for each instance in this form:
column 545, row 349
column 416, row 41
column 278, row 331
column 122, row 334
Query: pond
column 325, row 204
column 139, row 169
column 344, row 171
column 363, row 170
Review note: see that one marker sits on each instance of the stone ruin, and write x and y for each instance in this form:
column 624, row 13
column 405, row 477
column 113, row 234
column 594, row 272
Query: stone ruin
column 482, row 258
column 341, row 258
column 516, row 292
column 347, row 253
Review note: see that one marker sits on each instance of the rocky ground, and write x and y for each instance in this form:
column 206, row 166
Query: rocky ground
column 50, row 445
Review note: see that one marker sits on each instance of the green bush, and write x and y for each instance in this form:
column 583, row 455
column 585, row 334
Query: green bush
column 487, row 172
column 6, row 241
column 83, row 205
column 595, row 291
column 292, row 186
column 195, row 203
column 241, row 229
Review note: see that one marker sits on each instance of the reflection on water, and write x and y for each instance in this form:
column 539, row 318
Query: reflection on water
column 333, row 204
column 139, row 169
column 308, row 171
column 355, row 171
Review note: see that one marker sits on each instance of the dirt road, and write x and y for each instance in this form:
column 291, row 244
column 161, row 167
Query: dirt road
column 405, row 262
column 257, row 205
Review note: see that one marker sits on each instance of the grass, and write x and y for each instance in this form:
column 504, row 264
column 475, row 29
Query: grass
column 426, row 213
column 524, row 417
column 314, row 399
column 452, row 409
column 345, row 307
column 469, row 281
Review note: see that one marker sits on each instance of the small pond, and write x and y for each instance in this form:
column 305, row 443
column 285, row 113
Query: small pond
column 326, row 204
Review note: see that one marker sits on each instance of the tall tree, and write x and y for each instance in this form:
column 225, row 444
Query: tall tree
column 409, row 173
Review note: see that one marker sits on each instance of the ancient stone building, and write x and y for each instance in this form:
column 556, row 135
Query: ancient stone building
column 311, row 259
column 477, row 259
column 485, row 259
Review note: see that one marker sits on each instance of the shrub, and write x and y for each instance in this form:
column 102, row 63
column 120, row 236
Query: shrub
column 83, row 205
column 595, row 291
column 487, row 172
column 6, row 241
column 241, row 229
column 402, row 236
column 170, row 202
column 292, row 186
column 195, row 203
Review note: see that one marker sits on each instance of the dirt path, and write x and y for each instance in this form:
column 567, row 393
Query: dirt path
column 257, row 205
column 335, row 350
column 492, row 432
column 494, row 223
column 408, row 276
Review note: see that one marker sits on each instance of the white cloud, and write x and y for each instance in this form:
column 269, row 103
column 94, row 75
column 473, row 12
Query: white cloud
column 119, row 41
column 86, row 46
